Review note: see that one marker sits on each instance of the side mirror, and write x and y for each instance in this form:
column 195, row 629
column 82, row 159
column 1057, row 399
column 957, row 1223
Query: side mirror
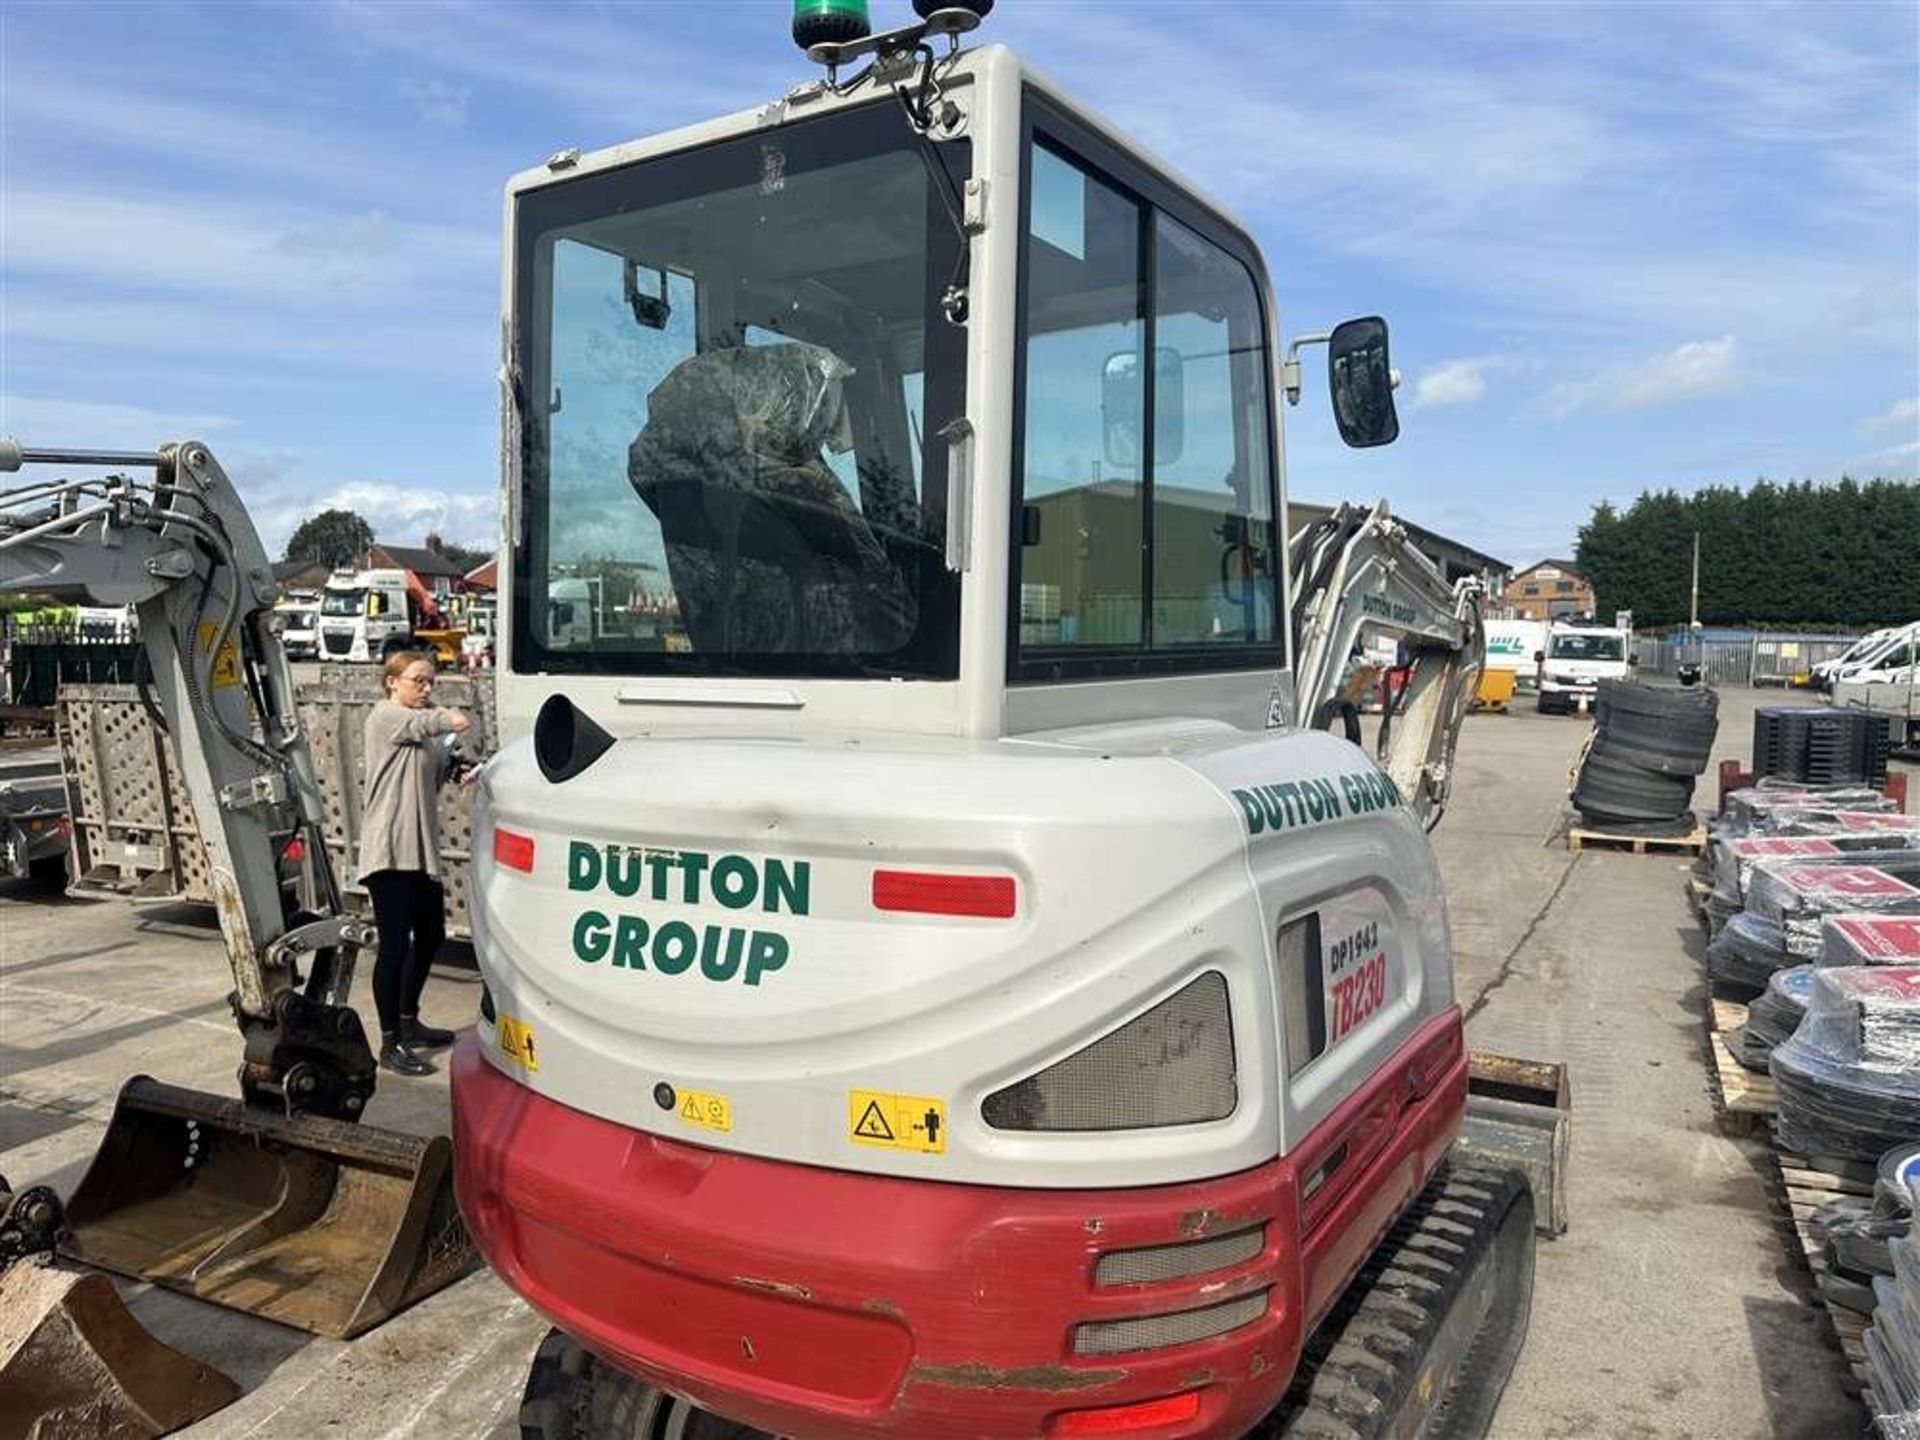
column 650, row 310
column 1362, row 382
column 1121, row 405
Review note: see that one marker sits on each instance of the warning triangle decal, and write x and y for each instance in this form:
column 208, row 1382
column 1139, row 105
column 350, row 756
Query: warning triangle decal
column 873, row 1125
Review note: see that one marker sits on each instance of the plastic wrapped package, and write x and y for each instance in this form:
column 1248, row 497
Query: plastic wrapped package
column 1735, row 856
column 1798, row 895
column 1886, row 823
column 1745, row 954
column 1849, row 1076
column 767, row 550
column 1869, row 940
column 1773, row 1017
column 1760, row 809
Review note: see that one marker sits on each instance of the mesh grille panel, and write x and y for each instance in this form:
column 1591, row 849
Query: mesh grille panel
column 1170, row 1066
column 1168, row 1262
column 1156, row 1332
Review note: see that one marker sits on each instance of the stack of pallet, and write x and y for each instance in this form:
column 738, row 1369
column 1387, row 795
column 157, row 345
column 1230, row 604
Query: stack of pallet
column 1813, row 1023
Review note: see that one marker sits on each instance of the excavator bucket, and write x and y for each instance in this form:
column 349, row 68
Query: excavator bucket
column 319, row 1224
column 1520, row 1114
column 75, row 1365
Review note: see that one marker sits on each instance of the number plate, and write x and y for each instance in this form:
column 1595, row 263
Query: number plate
column 1357, row 976
column 515, row 1039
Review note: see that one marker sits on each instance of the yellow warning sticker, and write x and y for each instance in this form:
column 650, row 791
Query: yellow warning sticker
column 897, row 1122
column 226, row 665
column 515, row 1038
column 705, row 1109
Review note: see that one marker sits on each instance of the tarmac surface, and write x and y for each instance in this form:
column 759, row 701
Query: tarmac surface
column 1671, row 1308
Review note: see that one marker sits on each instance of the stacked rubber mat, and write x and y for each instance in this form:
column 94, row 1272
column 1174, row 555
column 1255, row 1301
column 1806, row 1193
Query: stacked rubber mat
column 1798, row 895
column 1821, row 745
column 1779, row 807
column 1772, row 1018
column 1849, row 1076
column 1650, row 743
column 1883, row 1248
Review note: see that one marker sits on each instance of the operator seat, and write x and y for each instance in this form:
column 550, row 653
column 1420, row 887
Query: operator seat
column 766, row 551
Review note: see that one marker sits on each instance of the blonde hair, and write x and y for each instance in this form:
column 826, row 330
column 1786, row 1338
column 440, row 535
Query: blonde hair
column 396, row 666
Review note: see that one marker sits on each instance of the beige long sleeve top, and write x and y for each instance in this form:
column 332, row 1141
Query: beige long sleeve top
column 399, row 809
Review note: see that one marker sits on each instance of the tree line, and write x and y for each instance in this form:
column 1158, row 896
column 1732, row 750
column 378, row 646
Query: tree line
column 1801, row 553
column 338, row 538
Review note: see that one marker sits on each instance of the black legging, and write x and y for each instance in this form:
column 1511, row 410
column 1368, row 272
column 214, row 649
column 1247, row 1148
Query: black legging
column 409, row 907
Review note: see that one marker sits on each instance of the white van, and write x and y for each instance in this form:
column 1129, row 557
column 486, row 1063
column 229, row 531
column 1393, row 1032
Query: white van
column 300, row 625
column 1576, row 659
column 1891, row 687
column 1870, row 654
column 1513, row 645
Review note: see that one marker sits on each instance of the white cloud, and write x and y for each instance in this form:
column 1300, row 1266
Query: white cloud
column 298, row 258
column 1686, row 372
column 439, row 102
column 37, row 421
column 1901, row 412
column 1452, row 382
column 401, row 514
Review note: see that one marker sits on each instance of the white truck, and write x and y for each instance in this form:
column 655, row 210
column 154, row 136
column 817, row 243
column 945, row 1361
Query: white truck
column 1576, row 659
column 364, row 615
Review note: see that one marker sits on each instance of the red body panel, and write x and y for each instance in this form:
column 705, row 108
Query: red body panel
column 824, row 1303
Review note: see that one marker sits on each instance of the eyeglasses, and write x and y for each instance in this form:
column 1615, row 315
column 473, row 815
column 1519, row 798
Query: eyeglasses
column 426, row 680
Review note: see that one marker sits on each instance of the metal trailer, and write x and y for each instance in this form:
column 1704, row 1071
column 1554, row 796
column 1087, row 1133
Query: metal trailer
column 134, row 834
column 33, row 814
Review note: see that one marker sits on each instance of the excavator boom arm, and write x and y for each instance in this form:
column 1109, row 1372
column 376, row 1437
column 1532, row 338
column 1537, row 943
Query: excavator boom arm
column 1358, row 570
column 181, row 549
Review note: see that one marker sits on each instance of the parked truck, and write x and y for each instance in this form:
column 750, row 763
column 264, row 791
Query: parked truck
column 368, row 615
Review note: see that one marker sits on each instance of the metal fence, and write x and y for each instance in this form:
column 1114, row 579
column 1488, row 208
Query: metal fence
column 135, row 834
column 1760, row 658
column 40, row 657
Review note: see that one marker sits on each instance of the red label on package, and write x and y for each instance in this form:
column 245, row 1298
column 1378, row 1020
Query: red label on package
column 1858, row 881
column 1876, row 820
column 1882, row 937
column 1893, row 982
column 1777, row 845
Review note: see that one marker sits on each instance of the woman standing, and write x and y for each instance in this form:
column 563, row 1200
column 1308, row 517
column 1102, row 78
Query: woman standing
column 400, row 851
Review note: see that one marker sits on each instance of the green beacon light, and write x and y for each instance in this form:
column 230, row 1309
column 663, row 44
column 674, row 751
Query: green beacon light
column 829, row 22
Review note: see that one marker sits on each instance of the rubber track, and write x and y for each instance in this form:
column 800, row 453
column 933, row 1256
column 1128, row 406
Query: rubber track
column 1360, row 1365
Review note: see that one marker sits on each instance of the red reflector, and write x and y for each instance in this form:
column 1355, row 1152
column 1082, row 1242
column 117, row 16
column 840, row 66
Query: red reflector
column 927, row 894
column 1124, row 1419
column 295, row 850
column 513, row 851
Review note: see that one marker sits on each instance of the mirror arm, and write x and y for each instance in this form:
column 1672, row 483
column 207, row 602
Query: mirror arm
column 1290, row 367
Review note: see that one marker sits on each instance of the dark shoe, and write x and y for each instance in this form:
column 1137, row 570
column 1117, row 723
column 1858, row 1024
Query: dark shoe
column 400, row 1060
column 412, row 1032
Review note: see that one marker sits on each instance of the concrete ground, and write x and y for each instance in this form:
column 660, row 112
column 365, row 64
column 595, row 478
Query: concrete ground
column 1670, row 1309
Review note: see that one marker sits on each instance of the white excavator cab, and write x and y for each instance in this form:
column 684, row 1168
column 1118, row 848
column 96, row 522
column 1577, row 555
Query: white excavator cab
column 940, row 978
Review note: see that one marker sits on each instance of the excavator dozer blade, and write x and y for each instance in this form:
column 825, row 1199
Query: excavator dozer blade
column 1520, row 1113
column 319, row 1224
column 75, row 1365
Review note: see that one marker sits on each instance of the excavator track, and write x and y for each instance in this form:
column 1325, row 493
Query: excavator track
column 1426, row 1336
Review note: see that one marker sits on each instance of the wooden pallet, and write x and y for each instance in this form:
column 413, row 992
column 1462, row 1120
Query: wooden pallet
column 1693, row 844
column 1805, row 1190
column 1746, row 1099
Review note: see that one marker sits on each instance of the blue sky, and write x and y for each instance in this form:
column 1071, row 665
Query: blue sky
column 1620, row 246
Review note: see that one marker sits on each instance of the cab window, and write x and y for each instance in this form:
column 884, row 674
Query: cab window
column 1144, row 476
